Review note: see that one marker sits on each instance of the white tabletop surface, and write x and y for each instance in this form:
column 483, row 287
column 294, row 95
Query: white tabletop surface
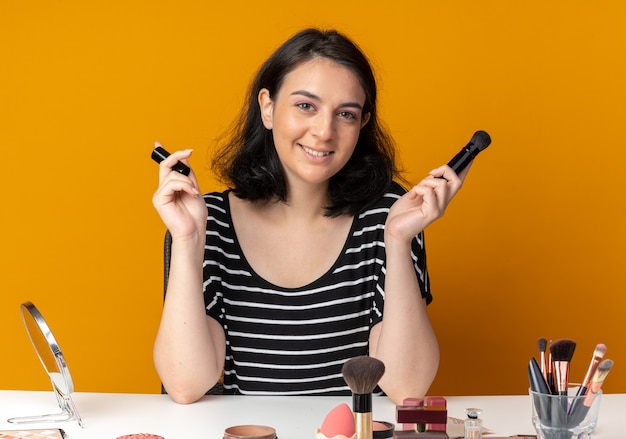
column 109, row 415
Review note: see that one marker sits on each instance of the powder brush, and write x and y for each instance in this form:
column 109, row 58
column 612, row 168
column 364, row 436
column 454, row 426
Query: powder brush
column 562, row 352
column 362, row 374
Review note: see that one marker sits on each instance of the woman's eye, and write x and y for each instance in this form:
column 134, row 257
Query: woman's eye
column 305, row 106
column 347, row 115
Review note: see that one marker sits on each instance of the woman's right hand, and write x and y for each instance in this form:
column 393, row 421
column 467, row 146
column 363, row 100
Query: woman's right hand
column 178, row 199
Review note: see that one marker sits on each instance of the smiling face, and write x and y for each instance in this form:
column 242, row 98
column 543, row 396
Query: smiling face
column 315, row 118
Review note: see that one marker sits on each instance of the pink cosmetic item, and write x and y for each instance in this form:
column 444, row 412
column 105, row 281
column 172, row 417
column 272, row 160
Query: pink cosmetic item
column 436, row 401
column 249, row 432
column 414, row 402
column 338, row 424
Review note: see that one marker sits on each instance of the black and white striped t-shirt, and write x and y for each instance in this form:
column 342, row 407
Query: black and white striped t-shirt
column 294, row 341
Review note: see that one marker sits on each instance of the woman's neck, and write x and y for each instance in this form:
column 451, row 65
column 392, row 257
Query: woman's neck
column 305, row 201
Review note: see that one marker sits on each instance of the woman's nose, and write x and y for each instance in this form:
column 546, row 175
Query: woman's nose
column 323, row 127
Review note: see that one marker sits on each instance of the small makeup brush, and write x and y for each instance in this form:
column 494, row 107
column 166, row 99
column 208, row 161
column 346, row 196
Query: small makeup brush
column 562, row 352
column 580, row 411
column 598, row 354
column 542, row 343
column 362, row 374
column 598, row 379
column 550, row 370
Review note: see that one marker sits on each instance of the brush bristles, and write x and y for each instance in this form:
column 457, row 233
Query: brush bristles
column 542, row 343
column 481, row 140
column 362, row 373
column 563, row 349
column 603, row 370
column 600, row 350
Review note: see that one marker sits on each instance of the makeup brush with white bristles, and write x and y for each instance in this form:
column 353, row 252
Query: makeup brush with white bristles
column 598, row 354
column 598, row 379
column 362, row 375
column 577, row 415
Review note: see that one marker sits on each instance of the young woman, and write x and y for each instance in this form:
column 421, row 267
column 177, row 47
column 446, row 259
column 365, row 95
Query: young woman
column 314, row 255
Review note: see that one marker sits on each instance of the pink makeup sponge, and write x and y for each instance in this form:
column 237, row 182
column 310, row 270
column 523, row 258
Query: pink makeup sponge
column 339, row 422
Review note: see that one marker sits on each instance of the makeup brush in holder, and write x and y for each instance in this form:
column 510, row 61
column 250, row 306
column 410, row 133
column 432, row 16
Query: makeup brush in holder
column 557, row 412
column 362, row 375
column 562, row 352
column 542, row 344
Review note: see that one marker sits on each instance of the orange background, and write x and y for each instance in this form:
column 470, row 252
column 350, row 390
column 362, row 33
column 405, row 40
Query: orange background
column 532, row 246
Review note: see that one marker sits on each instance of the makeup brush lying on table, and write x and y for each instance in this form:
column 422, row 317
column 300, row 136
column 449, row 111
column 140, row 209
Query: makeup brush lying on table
column 362, row 375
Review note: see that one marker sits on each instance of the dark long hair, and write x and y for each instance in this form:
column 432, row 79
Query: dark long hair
column 247, row 160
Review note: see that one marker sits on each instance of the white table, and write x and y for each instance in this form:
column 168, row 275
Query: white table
column 109, row 415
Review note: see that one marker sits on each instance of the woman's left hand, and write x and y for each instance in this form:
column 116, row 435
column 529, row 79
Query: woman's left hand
column 423, row 204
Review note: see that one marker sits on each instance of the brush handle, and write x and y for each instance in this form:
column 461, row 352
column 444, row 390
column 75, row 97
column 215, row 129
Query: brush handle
column 550, row 381
column 159, row 154
column 362, row 402
column 550, row 374
column 578, row 412
column 363, row 425
column 576, row 415
column 362, row 408
column 582, row 390
column 561, row 380
column 574, row 407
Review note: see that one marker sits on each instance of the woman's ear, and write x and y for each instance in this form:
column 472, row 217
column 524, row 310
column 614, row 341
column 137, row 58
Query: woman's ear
column 267, row 107
column 366, row 119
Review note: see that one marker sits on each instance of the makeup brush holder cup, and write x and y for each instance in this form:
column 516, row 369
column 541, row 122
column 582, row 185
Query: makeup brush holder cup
column 565, row 417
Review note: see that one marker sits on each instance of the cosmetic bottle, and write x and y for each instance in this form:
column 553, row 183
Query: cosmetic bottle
column 473, row 424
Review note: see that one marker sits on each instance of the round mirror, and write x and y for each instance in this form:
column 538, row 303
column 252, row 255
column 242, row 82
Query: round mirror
column 52, row 359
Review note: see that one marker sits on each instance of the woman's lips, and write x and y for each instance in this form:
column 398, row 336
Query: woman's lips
column 315, row 153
